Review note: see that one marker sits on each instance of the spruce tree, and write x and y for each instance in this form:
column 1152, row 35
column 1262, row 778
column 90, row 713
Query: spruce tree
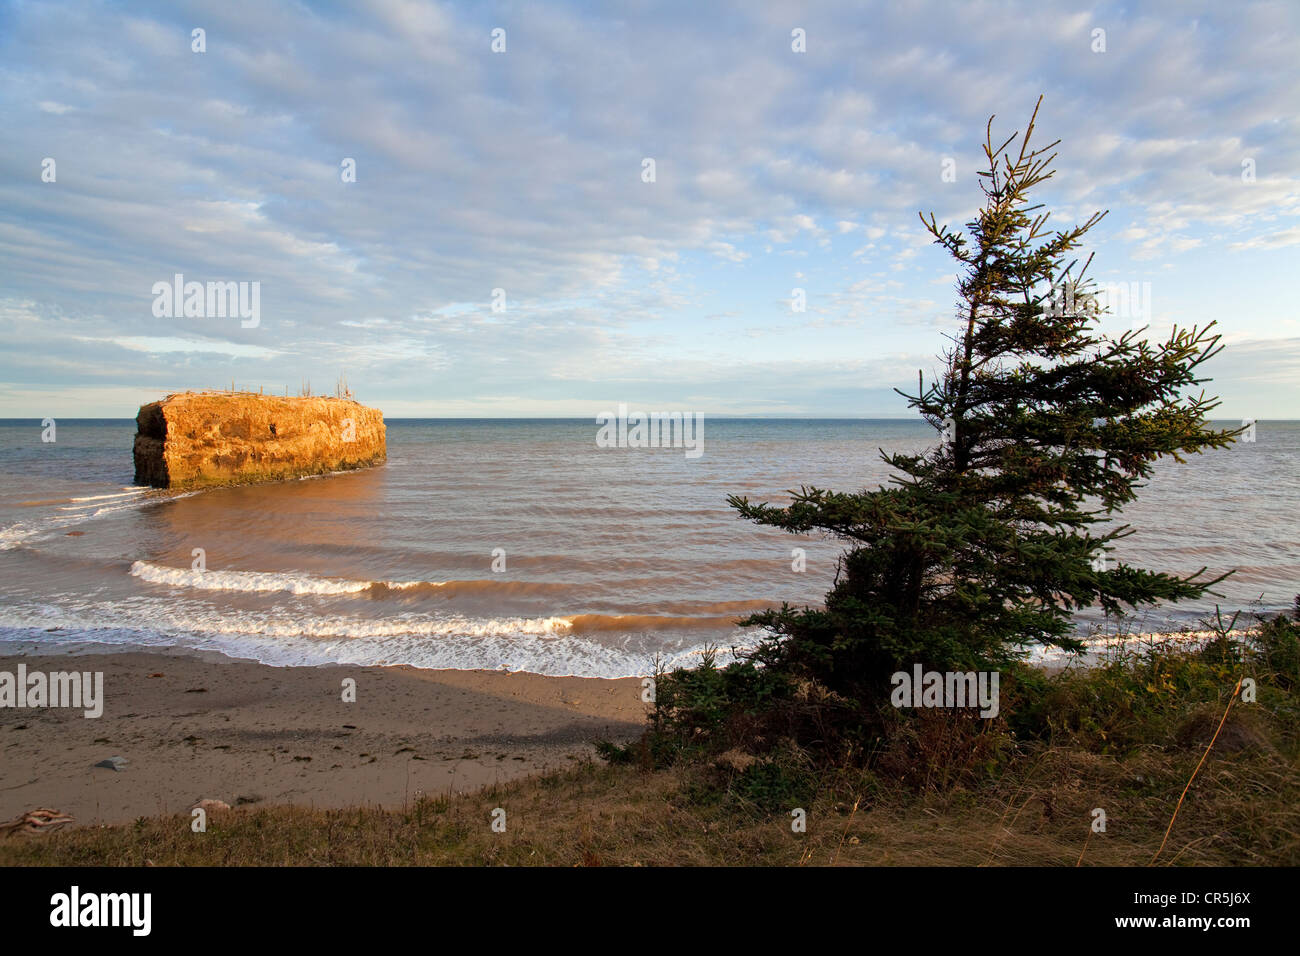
column 984, row 545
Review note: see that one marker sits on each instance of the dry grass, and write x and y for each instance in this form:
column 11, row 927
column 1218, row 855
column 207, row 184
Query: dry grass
column 1185, row 773
column 1243, row 809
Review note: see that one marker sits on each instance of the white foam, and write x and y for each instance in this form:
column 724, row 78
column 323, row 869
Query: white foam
column 23, row 532
column 135, row 493
column 213, row 580
column 290, row 582
column 536, row 645
column 15, row 534
column 1098, row 645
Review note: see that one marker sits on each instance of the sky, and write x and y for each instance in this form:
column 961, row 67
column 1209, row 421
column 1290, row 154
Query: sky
column 503, row 249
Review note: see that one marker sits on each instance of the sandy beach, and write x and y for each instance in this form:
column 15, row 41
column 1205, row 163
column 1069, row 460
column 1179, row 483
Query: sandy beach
column 194, row 727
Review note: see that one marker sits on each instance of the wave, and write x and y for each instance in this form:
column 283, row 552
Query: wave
column 1099, row 646
column 383, row 589
column 549, row 645
column 718, row 607
column 25, row 533
column 687, row 617
column 127, row 492
column 213, row 580
column 199, row 618
column 557, row 646
column 299, row 583
column 624, row 623
column 135, row 491
column 77, row 510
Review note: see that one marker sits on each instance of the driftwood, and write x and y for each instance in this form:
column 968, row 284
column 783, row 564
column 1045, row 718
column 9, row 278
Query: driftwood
column 40, row 820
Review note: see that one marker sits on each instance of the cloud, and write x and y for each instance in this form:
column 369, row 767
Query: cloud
column 163, row 346
column 725, row 250
column 1276, row 240
column 523, row 171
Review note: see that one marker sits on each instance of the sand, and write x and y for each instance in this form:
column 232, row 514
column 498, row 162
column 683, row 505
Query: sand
column 206, row 727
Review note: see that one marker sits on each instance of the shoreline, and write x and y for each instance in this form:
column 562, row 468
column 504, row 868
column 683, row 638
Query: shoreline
column 195, row 725
column 1098, row 642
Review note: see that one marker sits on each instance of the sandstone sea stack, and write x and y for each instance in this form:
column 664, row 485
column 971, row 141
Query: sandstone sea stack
column 204, row 439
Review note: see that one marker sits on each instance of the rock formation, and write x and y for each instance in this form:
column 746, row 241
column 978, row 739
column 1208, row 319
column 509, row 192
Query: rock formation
column 203, row 439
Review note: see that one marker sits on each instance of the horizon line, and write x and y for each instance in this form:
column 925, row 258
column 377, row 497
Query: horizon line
column 575, row 418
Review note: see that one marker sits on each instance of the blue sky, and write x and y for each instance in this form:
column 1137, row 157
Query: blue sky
column 522, row 170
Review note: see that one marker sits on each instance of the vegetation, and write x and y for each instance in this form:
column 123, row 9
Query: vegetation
column 1187, row 750
column 940, row 788
column 985, row 545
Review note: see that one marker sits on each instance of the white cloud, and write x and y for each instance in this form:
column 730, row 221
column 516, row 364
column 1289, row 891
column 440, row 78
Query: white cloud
column 1275, row 240
column 162, row 345
column 522, row 171
column 725, row 250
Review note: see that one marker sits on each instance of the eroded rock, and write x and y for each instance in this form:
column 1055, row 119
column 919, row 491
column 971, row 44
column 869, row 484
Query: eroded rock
column 204, row 439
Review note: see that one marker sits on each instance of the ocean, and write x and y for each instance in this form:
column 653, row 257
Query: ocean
column 521, row 545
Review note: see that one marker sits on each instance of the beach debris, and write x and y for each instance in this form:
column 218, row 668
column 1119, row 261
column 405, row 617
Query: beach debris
column 209, row 804
column 40, row 820
column 113, row 763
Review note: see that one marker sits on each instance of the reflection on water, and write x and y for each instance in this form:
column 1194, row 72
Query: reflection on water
column 522, row 544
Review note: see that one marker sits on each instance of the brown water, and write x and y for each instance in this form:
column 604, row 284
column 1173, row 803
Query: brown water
column 612, row 557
